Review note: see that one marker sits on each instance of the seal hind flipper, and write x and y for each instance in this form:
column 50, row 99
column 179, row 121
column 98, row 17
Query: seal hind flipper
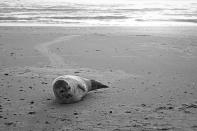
column 97, row 85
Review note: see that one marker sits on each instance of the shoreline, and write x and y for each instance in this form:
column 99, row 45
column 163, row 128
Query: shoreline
column 96, row 26
column 132, row 24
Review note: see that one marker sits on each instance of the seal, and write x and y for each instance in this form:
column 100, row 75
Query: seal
column 71, row 89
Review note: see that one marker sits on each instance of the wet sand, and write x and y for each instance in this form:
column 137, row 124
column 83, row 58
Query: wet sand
column 151, row 72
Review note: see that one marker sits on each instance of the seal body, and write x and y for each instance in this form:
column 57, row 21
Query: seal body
column 70, row 89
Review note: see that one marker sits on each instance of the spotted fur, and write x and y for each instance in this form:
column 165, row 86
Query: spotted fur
column 70, row 89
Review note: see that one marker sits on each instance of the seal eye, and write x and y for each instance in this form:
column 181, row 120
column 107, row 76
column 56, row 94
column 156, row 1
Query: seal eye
column 68, row 88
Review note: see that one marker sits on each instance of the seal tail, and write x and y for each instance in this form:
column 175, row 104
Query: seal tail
column 97, row 85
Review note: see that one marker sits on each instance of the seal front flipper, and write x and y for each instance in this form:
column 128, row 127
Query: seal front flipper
column 97, row 85
column 81, row 87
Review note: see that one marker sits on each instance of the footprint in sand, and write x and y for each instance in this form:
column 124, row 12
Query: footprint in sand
column 58, row 62
column 55, row 60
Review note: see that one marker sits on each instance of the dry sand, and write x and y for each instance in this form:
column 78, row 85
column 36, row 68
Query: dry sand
column 151, row 71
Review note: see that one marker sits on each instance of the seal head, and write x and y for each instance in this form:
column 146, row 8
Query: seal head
column 62, row 91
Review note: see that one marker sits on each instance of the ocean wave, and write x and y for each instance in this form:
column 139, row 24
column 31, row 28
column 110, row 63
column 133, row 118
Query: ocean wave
column 184, row 20
column 141, row 9
column 66, row 18
column 109, row 14
column 14, row 18
column 182, row 14
column 168, row 20
column 88, row 17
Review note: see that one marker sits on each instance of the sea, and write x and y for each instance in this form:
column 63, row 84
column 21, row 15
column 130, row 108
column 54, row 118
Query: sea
column 98, row 12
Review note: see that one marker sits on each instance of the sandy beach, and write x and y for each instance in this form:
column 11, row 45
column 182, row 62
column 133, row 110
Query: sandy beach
column 151, row 72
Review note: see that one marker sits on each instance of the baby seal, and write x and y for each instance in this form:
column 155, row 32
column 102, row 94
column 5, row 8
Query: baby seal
column 70, row 89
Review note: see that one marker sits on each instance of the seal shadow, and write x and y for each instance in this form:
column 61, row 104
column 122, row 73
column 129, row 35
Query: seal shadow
column 86, row 99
